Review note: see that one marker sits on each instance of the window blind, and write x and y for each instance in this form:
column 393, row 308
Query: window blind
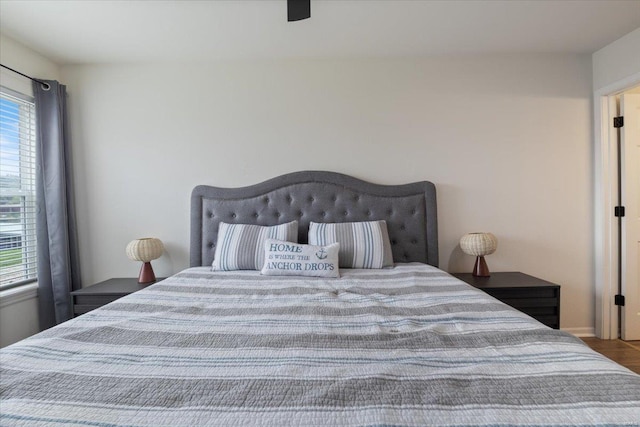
column 17, row 189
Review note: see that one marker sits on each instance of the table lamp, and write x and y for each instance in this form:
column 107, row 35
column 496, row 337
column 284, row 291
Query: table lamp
column 479, row 244
column 145, row 250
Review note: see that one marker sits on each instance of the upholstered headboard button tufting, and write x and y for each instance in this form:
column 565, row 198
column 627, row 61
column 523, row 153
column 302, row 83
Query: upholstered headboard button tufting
column 409, row 210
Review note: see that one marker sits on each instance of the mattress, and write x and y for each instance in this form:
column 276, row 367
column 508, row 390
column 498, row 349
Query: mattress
column 404, row 346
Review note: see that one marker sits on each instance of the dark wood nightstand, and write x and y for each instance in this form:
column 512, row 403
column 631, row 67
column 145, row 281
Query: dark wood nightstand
column 536, row 297
column 86, row 299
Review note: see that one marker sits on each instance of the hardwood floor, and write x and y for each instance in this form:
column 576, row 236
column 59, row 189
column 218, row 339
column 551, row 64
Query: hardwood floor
column 626, row 353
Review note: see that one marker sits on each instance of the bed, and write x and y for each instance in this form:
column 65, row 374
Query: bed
column 403, row 346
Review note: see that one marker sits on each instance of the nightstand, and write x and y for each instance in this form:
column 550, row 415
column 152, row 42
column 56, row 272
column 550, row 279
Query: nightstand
column 536, row 297
column 86, row 299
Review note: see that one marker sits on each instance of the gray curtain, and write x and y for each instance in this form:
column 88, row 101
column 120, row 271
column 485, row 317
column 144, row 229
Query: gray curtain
column 58, row 266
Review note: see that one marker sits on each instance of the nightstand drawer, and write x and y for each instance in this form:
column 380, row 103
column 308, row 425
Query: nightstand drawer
column 86, row 299
column 550, row 321
column 95, row 299
column 535, row 297
column 79, row 309
column 522, row 293
column 551, row 310
column 85, row 303
column 528, row 302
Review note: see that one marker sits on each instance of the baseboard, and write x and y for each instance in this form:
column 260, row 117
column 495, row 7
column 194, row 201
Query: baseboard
column 581, row 332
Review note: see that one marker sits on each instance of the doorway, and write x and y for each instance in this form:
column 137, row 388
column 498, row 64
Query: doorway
column 629, row 219
column 612, row 320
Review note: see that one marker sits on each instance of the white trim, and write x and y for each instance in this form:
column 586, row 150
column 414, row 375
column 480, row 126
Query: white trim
column 18, row 294
column 15, row 82
column 581, row 332
column 619, row 86
column 605, row 238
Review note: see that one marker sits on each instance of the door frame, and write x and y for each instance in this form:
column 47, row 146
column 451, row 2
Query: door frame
column 606, row 187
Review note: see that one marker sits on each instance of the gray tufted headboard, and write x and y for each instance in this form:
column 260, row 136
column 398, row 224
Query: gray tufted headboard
column 409, row 210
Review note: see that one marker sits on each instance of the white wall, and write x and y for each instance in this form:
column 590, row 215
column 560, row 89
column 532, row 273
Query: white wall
column 21, row 58
column 19, row 316
column 617, row 61
column 506, row 140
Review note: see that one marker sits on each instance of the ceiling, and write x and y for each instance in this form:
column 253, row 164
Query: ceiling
column 149, row 31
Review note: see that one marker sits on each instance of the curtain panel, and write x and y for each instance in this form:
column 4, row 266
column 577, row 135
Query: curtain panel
column 58, row 260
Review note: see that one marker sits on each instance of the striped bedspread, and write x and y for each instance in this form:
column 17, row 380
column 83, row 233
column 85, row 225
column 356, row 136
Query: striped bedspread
column 404, row 346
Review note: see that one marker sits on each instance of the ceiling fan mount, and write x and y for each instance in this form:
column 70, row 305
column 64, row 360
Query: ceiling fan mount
column 298, row 10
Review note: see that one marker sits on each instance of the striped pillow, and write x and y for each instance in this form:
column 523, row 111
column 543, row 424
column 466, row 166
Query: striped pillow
column 362, row 244
column 241, row 246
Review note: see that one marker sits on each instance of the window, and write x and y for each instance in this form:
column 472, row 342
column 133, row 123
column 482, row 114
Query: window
column 17, row 189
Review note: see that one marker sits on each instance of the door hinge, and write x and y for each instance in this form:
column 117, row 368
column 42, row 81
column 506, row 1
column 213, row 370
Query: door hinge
column 618, row 211
column 619, row 300
column 618, row 122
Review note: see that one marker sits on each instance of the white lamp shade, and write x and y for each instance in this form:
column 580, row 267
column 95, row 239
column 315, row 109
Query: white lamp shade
column 478, row 244
column 145, row 250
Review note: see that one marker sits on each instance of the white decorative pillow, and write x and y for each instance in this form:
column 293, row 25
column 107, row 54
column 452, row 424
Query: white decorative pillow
column 362, row 244
column 241, row 246
column 295, row 259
